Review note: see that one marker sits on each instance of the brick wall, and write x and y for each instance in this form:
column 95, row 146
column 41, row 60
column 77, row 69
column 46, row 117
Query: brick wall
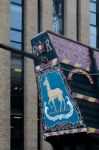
column 30, row 89
column 4, row 78
column 46, row 15
column 71, row 9
column 70, row 18
column 84, row 24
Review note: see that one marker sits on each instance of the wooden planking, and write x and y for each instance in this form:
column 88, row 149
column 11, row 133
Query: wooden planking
column 89, row 109
column 80, row 83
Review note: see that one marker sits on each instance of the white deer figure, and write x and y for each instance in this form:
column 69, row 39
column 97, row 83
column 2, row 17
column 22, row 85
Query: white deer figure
column 53, row 94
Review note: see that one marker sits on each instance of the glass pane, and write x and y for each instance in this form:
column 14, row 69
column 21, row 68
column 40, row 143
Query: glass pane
column 93, row 30
column 17, row 1
column 58, row 16
column 93, row 18
column 16, row 132
column 17, row 100
column 15, row 45
column 93, row 0
column 16, row 92
column 16, row 65
column 57, row 8
column 16, row 70
column 16, row 16
column 15, row 36
column 93, row 7
column 57, row 25
column 92, row 40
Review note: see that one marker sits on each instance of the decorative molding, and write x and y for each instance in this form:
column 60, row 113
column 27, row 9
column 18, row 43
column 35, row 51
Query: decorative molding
column 79, row 130
column 84, row 97
column 78, row 70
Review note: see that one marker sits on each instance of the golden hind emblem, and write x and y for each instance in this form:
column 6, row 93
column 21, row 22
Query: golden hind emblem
column 52, row 95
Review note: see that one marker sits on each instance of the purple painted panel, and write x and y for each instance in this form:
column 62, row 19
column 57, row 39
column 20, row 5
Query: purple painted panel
column 96, row 53
column 70, row 52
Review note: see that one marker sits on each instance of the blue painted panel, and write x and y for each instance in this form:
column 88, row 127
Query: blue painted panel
column 58, row 106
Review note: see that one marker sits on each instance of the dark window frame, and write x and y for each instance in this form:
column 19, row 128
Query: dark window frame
column 22, row 73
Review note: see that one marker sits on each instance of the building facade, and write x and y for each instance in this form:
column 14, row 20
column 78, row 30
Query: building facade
column 20, row 20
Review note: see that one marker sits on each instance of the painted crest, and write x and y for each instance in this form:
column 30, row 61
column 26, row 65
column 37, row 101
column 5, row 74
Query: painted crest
column 58, row 106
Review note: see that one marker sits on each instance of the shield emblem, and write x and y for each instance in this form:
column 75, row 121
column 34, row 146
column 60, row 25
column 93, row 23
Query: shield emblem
column 58, row 106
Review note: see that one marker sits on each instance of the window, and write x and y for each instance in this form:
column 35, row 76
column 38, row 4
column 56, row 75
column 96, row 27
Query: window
column 93, row 0
column 93, row 7
column 15, row 36
column 93, row 36
column 16, row 24
column 93, row 18
column 17, row 1
column 17, row 78
column 93, row 29
column 58, row 16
